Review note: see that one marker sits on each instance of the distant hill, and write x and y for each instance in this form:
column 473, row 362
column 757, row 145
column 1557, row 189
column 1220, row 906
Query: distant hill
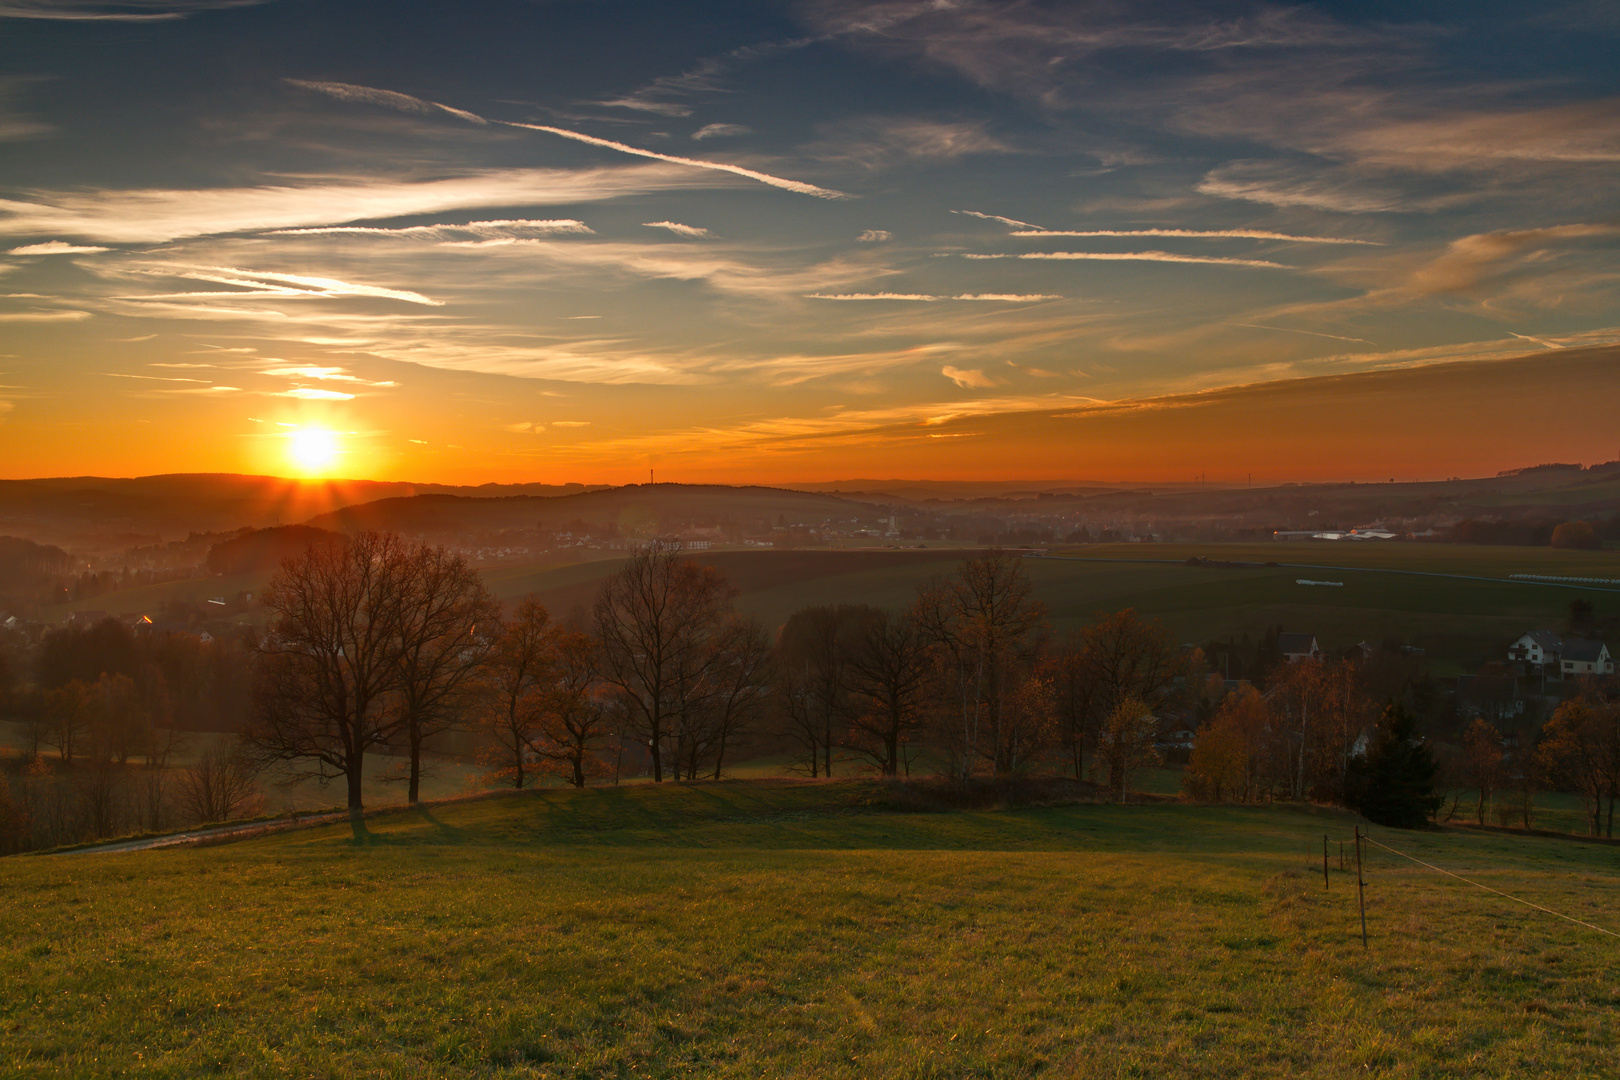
column 85, row 513
column 637, row 508
column 265, row 549
column 26, row 567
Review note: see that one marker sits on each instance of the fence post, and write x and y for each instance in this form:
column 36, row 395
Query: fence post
column 1324, row 860
column 1361, row 887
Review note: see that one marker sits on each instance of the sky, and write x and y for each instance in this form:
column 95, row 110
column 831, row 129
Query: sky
column 578, row 240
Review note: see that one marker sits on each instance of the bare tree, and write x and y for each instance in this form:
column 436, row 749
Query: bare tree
column 740, row 687
column 123, row 726
column 571, row 718
column 812, row 659
column 71, row 715
column 331, row 660
column 1121, row 657
column 447, row 620
column 986, row 622
column 890, row 679
column 656, row 619
column 1481, row 763
column 520, row 669
column 219, row 784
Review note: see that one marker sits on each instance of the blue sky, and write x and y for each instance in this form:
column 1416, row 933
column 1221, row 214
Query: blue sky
column 558, row 240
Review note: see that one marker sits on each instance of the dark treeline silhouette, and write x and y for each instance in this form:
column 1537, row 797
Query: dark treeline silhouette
column 377, row 645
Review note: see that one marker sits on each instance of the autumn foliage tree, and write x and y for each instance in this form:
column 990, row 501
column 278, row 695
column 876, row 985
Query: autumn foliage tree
column 1228, row 761
column 1580, row 750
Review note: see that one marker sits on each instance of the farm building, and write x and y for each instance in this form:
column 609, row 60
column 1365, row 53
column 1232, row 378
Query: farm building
column 1297, row 647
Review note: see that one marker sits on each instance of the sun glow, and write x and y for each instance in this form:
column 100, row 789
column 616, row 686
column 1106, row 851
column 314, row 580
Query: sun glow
column 313, row 450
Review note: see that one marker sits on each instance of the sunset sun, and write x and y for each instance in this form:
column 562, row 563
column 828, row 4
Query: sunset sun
column 313, row 450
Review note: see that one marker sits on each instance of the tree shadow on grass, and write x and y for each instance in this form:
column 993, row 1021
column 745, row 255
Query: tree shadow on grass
column 441, row 831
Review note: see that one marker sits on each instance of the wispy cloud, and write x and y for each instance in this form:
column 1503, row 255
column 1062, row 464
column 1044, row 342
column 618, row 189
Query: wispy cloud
column 1137, row 256
column 1007, row 298
column 877, row 142
column 1013, row 222
column 695, row 163
column 43, row 316
column 656, row 97
column 1308, row 333
column 678, row 229
column 1199, row 234
column 156, row 215
column 667, row 95
column 322, row 373
column 116, row 11
column 1325, row 186
column 966, row 377
column 875, row 236
column 388, row 99
column 721, row 131
column 1485, row 260
column 274, row 284
column 499, row 228
column 56, row 247
column 151, row 378
column 310, row 393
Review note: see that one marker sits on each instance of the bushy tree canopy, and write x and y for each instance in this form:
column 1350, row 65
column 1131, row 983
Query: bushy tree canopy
column 1393, row 783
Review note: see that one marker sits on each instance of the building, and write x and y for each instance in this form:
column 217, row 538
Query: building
column 1297, row 647
column 1581, row 657
column 1536, row 647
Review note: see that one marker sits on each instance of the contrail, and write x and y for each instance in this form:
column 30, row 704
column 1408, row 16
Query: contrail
column 736, row 170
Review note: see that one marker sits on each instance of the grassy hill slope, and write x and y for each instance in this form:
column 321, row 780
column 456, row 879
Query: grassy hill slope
column 797, row 929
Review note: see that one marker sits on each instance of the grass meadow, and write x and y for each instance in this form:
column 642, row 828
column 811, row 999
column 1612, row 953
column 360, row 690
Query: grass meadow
column 787, row 929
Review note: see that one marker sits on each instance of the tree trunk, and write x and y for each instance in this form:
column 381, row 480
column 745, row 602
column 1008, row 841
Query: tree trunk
column 353, row 775
column 414, row 789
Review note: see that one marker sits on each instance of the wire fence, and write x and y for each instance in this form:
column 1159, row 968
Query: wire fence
column 1362, row 837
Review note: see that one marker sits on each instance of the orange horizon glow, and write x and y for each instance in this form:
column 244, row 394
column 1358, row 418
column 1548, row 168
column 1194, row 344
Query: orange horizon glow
column 1473, row 418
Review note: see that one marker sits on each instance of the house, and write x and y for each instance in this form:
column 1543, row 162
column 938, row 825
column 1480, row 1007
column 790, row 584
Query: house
column 1536, row 647
column 1297, row 647
column 1582, row 657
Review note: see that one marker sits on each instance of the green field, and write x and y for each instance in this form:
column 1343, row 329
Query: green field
column 797, row 929
column 1461, row 622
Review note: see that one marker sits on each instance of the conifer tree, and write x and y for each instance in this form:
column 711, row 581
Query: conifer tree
column 1393, row 784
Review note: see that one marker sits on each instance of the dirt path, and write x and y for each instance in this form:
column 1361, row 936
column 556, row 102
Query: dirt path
column 245, row 830
column 239, row 831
